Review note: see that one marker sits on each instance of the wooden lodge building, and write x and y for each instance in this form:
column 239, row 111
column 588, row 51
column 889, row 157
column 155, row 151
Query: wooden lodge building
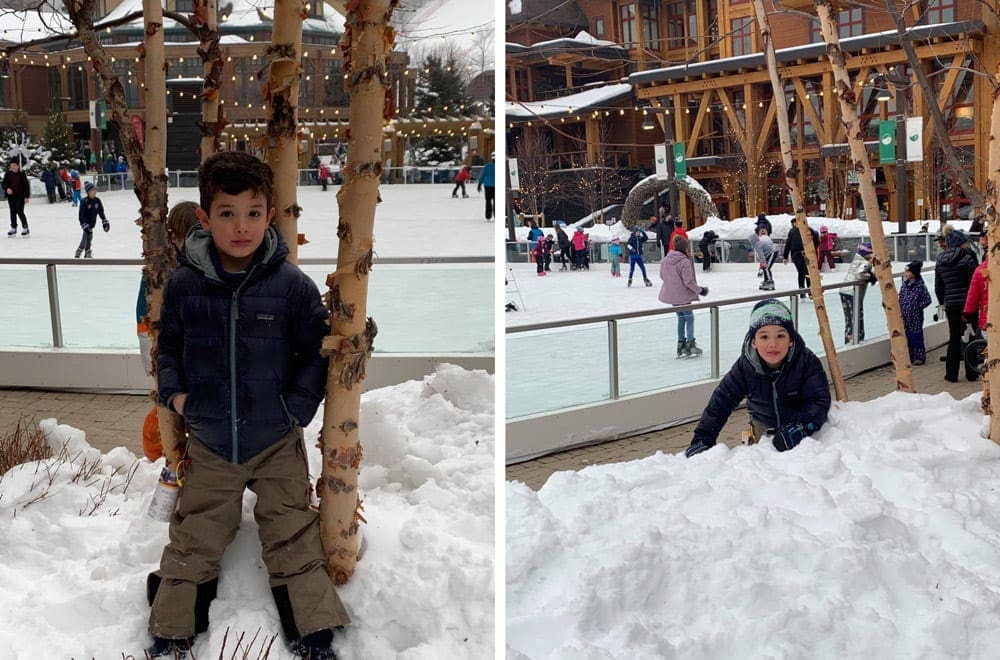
column 36, row 80
column 701, row 61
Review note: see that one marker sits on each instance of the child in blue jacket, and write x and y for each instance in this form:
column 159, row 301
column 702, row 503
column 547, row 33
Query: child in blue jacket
column 615, row 257
column 91, row 208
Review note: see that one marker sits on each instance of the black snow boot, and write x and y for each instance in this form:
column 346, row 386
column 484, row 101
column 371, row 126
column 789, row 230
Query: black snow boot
column 646, row 280
column 172, row 649
column 314, row 646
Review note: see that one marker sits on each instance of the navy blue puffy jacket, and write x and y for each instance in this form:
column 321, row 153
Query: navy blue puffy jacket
column 798, row 392
column 248, row 358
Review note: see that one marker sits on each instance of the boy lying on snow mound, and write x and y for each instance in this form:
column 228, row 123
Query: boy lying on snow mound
column 239, row 359
column 782, row 380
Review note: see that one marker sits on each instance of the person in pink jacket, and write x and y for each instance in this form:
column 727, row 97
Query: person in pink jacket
column 680, row 287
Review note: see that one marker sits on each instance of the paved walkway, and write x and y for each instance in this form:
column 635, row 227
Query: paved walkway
column 928, row 378
column 109, row 420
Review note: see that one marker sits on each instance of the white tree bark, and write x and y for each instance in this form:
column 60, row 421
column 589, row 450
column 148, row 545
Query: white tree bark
column 791, row 180
column 366, row 43
column 899, row 354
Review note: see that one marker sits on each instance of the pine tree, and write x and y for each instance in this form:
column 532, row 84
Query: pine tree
column 440, row 92
column 58, row 139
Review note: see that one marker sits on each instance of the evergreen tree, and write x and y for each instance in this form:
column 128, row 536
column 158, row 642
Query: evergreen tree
column 58, row 139
column 440, row 92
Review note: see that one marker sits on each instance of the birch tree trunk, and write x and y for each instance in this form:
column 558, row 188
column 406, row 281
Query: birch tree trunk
column 150, row 186
column 991, row 378
column 366, row 44
column 154, row 211
column 791, row 180
column 281, row 94
column 899, row 353
column 204, row 24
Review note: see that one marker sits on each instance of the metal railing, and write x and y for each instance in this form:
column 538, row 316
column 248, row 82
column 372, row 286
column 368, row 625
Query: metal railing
column 902, row 248
column 306, row 177
column 52, row 278
column 713, row 348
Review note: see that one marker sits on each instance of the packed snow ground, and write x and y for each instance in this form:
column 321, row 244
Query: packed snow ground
column 879, row 537
column 77, row 543
column 413, row 305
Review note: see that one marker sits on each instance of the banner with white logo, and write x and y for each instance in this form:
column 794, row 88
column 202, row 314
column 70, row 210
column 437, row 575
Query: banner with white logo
column 660, row 160
column 914, row 138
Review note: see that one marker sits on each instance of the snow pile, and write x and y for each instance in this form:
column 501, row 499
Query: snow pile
column 77, row 544
column 880, row 533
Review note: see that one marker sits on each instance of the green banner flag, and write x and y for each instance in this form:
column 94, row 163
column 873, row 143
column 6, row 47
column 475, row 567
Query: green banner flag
column 680, row 161
column 887, row 142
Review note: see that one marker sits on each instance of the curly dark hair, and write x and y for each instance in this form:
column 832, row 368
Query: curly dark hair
column 232, row 172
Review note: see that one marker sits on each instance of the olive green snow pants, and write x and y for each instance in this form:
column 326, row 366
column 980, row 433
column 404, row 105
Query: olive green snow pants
column 207, row 517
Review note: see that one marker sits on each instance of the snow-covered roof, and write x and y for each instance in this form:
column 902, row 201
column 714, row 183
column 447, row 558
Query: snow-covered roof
column 564, row 105
column 20, row 27
column 583, row 38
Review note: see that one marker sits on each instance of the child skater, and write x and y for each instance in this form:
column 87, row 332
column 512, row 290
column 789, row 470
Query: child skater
column 763, row 248
column 541, row 254
column 615, row 257
column 913, row 299
column 680, row 287
column 782, row 381
column 239, row 358
column 90, row 209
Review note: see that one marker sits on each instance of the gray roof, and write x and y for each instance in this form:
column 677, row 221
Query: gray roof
column 807, row 51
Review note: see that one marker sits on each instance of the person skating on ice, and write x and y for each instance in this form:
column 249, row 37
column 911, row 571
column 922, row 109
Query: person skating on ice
column 91, row 208
column 635, row 243
column 680, row 287
column 18, row 190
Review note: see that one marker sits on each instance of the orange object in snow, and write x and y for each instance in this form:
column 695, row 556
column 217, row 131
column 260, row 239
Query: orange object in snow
column 152, row 445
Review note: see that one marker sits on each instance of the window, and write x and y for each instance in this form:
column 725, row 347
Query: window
column 628, row 25
column 599, row 26
column 306, row 84
column 940, row 11
column 248, row 88
column 125, row 70
column 742, row 31
column 184, row 5
column 849, row 24
column 682, row 23
column 77, row 88
column 55, row 88
column 650, row 26
column 333, row 87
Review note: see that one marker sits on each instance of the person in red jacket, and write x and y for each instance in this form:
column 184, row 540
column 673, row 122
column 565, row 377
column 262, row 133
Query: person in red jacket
column 678, row 231
column 977, row 299
column 460, row 179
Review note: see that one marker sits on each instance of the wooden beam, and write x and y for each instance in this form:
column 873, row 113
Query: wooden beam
column 725, row 80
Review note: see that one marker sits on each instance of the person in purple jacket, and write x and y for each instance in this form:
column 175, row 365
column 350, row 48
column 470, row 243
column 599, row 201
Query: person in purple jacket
column 680, row 287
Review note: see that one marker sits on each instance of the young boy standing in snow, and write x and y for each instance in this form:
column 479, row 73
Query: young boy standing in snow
column 782, row 380
column 91, row 208
column 239, row 358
